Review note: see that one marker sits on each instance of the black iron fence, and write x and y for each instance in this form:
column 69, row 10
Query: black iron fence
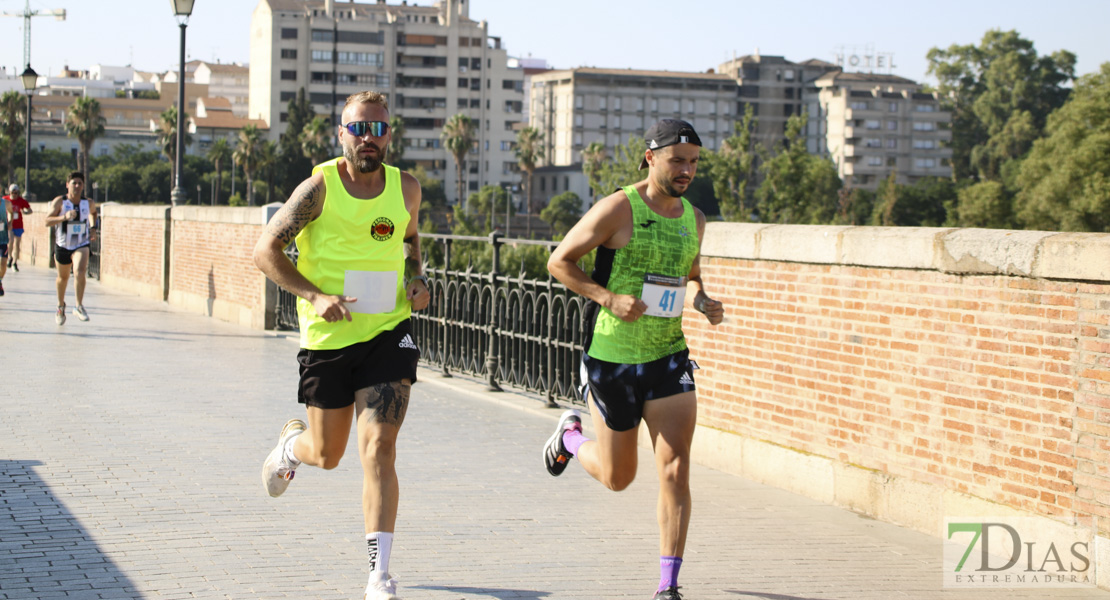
column 509, row 329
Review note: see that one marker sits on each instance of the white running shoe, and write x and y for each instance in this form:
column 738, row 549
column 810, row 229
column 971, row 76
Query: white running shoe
column 79, row 310
column 384, row 589
column 277, row 471
column 60, row 316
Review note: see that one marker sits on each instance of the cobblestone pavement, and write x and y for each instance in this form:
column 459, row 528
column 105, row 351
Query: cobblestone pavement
column 130, row 449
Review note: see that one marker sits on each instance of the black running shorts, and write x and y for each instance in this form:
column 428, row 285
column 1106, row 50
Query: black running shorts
column 63, row 256
column 620, row 391
column 330, row 378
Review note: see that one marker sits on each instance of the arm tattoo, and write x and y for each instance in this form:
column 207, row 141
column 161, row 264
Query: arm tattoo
column 385, row 402
column 297, row 212
column 412, row 255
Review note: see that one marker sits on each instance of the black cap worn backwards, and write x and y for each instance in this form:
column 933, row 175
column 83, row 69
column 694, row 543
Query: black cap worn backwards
column 668, row 132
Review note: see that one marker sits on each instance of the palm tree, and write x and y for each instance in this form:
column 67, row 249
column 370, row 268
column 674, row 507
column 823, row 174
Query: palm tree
column 219, row 153
column 459, row 137
column 316, row 140
column 396, row 150
column 84, row 122
column 593, row 156
column 266, row 160
column 167, row 139
column 529, row 151
column 13, row 115
column 250, row 139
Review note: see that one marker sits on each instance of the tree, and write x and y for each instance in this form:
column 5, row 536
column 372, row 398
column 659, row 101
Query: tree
column 395, row 153
column 563, row 212
column 294, row 164
column 85, row 122
column 488, row 202
column 246, row 153
column 593, row 156
column 923, row 204
column 459, row 137
column 13, row 121
column 798, row 187
column 316, row 140
column 219, row 154
column 731, row 169
column 1000, row 94
column 624, row 168
column 1065, row 181
column 167, row 137
column 528, row 151
column 266, row 160
column 985, row 204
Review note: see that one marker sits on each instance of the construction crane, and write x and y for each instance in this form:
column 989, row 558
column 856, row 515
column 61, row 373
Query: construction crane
column 58, row 13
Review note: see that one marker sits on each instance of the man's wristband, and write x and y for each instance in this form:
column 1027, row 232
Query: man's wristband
column 423, row 278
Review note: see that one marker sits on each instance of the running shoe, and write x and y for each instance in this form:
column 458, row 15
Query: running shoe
column 80, row 312
column 60, row 316
column 555, row 455
column 277, row 471
column 670, row 593
column 16, row 267
column 385, row 589
column 1, row 289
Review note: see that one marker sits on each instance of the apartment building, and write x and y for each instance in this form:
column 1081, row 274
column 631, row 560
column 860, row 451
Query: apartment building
column 872, row 125
column 574, row 108
column 230, row 81
column 431, row 61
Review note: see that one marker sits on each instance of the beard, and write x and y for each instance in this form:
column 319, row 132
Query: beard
column 670, row 188
column 365, row 164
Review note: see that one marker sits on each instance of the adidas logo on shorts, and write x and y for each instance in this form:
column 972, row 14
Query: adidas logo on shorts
column 685, row 379
column 406, row 342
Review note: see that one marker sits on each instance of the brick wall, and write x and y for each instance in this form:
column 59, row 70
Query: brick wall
column 36, row 237
column 132, row 244
column 972, row 361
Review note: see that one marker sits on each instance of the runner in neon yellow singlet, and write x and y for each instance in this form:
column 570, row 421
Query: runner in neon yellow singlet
column 636, row 365
column 355, row 224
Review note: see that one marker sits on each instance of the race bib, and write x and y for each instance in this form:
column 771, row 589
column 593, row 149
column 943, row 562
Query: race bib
column 663, row 295
column 75, row 228
column 376, row 291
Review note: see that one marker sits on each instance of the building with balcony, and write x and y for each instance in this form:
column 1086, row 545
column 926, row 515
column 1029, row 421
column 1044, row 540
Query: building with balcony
column 872, row 125
column 431, row 61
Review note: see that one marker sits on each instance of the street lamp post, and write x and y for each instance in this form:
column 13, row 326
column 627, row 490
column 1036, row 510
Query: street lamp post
column 181, row 9
column 30, row 82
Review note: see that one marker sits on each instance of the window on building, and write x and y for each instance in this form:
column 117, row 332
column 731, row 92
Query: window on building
column 654, row 105
column 874, row 161
column 603, row 103
column 464, row 83
column 288, row 33
column 924, row 126
column 892, row 143
column 506, row 146
column 924, row 144
column 872, row 124
column 578, row 101
column 464, row 65
column 690, row 106
column 788, row 75
column 891, row 161
column 924, row 163
column 872, row 143
column 288, row 75
column 289, row 53
column 476, row 64
column 287, row 96
column 616, row 121
column 283, row 117
column 462, row 102
column 892, row 107
column 617, row 103
column 577, row 120
column 858, row 105
column 892, row 125
column 639, row 104
column 924, row 108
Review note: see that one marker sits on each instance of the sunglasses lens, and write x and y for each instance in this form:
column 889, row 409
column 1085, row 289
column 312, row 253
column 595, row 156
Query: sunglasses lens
column 359, row 128
column 377, row 128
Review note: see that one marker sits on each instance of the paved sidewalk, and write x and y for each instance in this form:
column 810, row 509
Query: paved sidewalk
column 130, row 449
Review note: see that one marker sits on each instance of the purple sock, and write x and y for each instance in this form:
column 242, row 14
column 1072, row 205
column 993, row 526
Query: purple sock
column 668, row 571
column 573, row 439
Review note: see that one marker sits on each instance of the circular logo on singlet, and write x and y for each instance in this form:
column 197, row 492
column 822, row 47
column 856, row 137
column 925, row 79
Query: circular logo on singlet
column 382, row 229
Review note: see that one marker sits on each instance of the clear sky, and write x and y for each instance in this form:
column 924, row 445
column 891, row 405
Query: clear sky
column 691, row 35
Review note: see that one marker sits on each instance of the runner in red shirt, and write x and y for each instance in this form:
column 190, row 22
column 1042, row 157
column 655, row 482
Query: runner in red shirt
column 18, row 207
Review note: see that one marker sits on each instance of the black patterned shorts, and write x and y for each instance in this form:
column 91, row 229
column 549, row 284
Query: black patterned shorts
column 330, row 378
column 620, row 391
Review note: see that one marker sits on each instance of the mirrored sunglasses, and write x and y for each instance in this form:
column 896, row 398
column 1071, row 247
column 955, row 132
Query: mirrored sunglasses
column 359, row 128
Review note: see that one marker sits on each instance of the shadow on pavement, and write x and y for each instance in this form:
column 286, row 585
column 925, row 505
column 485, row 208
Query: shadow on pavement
column 44, row 551
column 499, row 594
column 769, row 596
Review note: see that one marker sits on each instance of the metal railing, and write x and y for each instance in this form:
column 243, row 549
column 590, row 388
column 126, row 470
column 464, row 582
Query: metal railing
column 526, row 333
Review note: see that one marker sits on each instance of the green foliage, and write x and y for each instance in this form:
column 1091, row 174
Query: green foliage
column 139, row 94
column 731, row 169
column 563, row 212
column 854, row 206
column 529, row 152
column 593, row 156
column 922, row 204
column 13, row 122
column 1065, row 181
column 316, row 141
column 489, row 203
column 798, row 187
column 247, row 154
column 236, row 200
column 623, row 169
column 85, row 122
column 459, row 135
column 432, row 196
column 220, row 155
column 395, row 152
column 1000, row 94
column 985, row 204
column 294, row 166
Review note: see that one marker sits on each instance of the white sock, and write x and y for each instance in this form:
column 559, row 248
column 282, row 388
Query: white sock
column 378, row 545
column 288, row 453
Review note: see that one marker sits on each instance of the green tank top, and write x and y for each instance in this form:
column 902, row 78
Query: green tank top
column 352, row 234
column 660, row 249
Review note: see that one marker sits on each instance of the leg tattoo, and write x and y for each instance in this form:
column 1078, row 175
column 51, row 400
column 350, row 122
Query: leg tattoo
column 386, row 402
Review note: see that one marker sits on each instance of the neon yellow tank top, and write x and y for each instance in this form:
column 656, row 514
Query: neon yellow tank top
column 352, row 234
column 659, row 248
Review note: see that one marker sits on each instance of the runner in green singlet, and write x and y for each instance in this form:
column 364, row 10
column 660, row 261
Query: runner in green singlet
column 636, row 365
